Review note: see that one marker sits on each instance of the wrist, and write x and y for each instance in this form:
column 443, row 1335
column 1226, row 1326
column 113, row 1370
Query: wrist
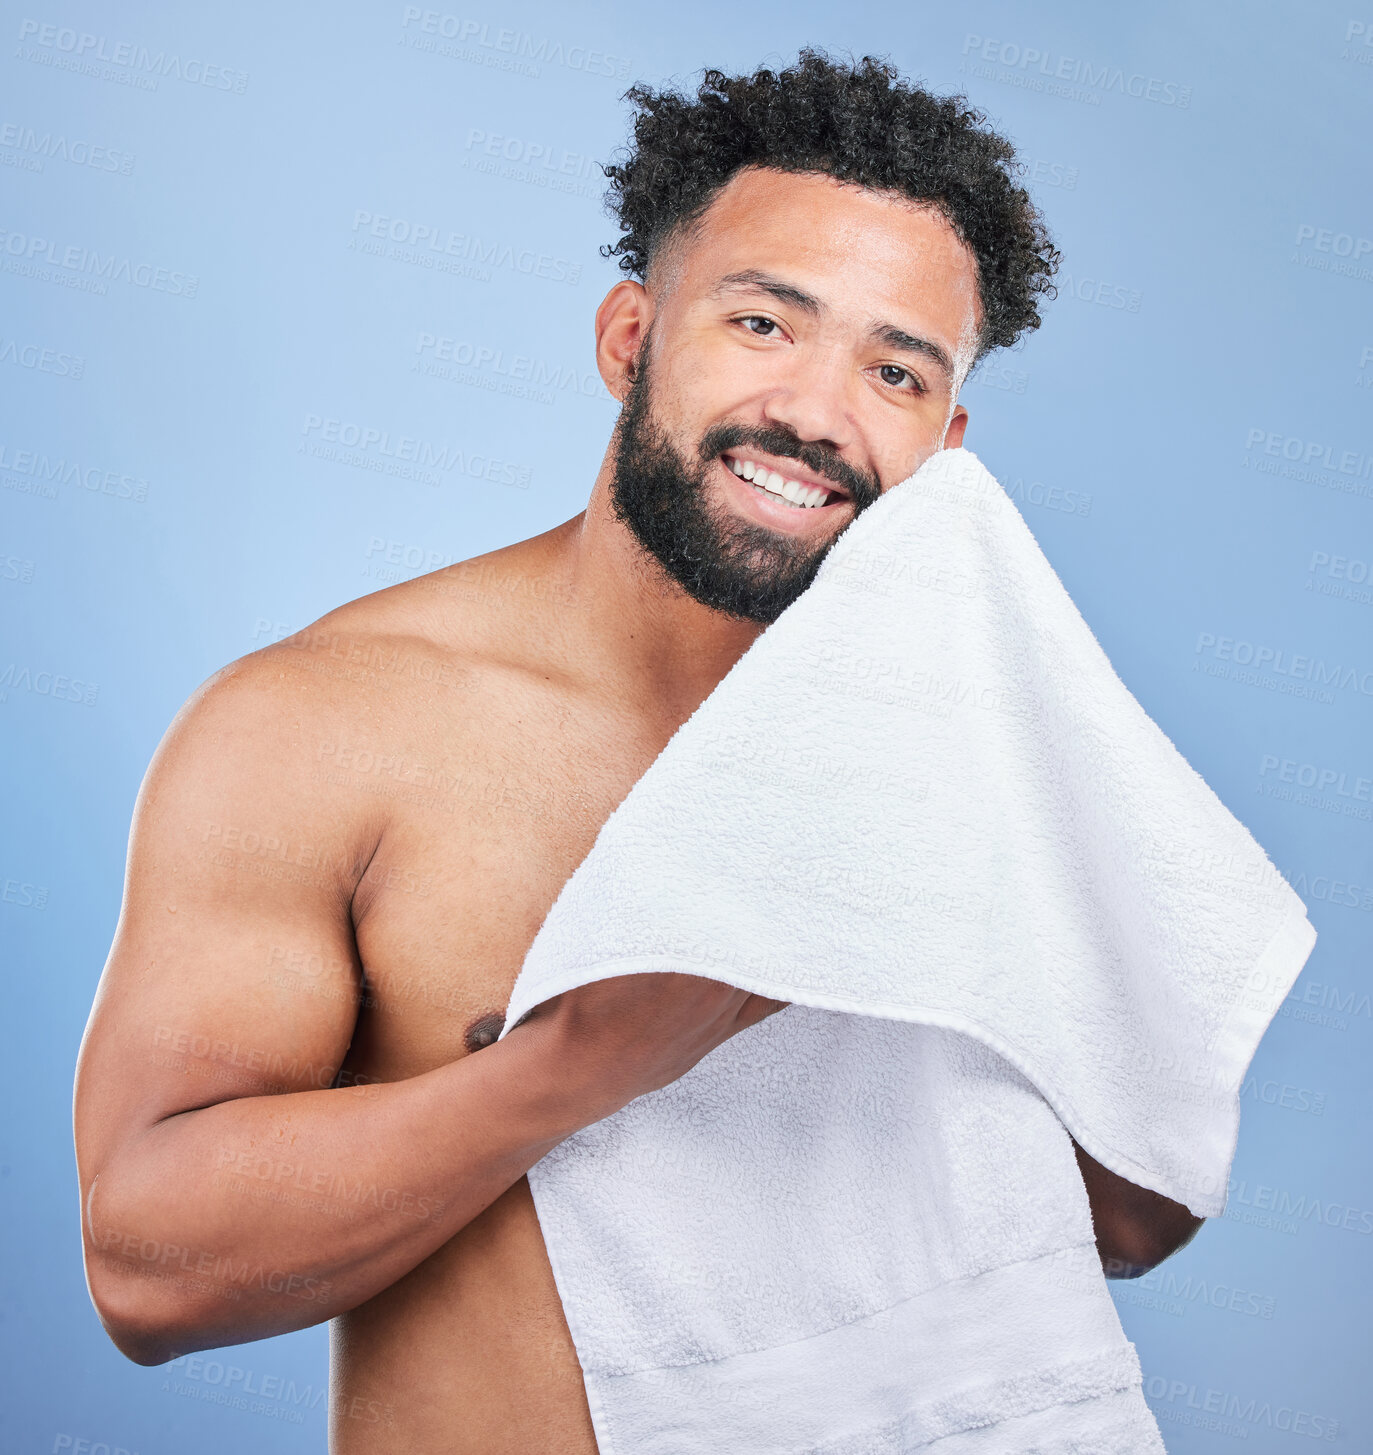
column 565, row 1081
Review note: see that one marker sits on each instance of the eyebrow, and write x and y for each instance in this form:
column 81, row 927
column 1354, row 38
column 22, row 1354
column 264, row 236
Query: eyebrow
column 808, row 303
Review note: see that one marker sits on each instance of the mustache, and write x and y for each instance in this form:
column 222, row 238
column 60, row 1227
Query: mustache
column 775, row 440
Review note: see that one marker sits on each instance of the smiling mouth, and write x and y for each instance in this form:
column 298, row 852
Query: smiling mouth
column 800, row 494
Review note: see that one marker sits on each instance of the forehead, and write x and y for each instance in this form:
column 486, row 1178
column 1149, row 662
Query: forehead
column 864, row 252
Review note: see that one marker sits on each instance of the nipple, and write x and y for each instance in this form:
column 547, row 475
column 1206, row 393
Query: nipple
column 484, row 1031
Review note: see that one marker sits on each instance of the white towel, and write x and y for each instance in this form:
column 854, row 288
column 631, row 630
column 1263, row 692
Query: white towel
column 923, row 808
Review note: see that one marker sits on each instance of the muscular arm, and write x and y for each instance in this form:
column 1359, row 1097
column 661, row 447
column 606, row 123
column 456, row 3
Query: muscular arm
column 229, row 1189
column 1135, row 1229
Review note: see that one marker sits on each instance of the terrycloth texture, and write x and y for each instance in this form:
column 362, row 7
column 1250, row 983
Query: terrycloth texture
column 923, row 808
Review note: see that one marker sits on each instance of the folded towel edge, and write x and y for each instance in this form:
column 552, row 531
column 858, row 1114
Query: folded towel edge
column 1236, row 1043
column 1276, row 968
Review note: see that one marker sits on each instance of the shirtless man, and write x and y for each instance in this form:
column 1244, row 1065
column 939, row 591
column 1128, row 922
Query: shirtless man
column 346, row 841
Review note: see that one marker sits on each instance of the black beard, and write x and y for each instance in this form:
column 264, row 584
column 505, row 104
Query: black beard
column 731, row 565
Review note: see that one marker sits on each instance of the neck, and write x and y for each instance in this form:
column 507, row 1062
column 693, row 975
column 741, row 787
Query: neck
column 636, row 629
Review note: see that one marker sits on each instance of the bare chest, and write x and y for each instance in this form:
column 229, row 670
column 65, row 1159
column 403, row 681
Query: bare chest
column 485, row 813
column 484, row 824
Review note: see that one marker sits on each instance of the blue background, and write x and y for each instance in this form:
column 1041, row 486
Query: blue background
column 1188, row 436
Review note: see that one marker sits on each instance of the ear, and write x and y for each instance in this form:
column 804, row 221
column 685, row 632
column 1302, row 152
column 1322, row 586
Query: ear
column 953, row 435
column 622, row 320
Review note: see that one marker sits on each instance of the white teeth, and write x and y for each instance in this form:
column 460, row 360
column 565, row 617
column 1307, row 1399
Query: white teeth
column 779, row 499
column 769, row 482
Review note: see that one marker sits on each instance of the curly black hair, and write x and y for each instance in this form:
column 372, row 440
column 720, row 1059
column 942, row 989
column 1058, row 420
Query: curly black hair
column 860, row 123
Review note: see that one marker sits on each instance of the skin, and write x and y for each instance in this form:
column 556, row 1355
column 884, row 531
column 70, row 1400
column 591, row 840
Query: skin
column 346, row 842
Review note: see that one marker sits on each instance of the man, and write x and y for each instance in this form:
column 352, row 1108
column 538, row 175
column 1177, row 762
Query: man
column 347, row 841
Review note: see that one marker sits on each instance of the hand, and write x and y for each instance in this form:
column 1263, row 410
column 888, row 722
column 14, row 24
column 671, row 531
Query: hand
column 616, row 1039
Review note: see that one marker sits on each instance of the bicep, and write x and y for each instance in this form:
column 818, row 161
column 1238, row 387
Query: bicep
column 233, row 970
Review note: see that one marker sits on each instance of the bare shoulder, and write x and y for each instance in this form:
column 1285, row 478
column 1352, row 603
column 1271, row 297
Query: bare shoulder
column 438, row 630
column 441, row 628
column 413, row 669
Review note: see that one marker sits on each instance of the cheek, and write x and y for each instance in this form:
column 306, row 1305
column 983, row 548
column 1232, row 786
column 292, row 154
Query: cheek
column 896, row 448
column 713, row 366
column 702, row 385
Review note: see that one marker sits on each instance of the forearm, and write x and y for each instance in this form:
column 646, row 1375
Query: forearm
column 264, row 1214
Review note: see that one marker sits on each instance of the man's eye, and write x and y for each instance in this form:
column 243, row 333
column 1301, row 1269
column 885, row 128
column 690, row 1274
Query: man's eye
column 765, row 331
column 893, row 374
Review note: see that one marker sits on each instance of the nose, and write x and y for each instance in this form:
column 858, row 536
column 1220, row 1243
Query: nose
column 812, row 399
